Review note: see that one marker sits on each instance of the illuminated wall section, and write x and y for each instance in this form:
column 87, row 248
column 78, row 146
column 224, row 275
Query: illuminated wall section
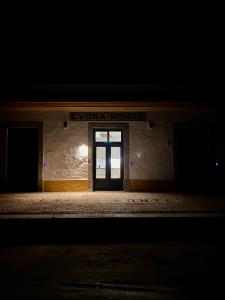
column 151, row 161
column 65, row 152
column 65, row 156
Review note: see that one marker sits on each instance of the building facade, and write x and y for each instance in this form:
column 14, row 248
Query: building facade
column 127, row 146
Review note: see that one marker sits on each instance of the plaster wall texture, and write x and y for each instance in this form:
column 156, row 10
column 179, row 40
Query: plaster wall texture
column 61, row 155
column 62, row 150
column 150, row 154
column 150, row 150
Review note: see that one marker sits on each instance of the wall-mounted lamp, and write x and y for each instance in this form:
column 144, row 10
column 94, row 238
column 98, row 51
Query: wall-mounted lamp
column 150, row 124
column 139, row 154
column 83, row 149
column 65, row 125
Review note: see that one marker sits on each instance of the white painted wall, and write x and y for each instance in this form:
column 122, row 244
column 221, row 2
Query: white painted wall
column 150, row 156
column 62, row 150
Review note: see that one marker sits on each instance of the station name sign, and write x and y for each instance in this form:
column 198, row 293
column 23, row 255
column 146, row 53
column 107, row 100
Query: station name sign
column 108, row 116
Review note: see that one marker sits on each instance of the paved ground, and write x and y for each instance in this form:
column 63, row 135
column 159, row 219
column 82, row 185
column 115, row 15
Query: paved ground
column 111, row 258
column 162, row 270
column 108, row 204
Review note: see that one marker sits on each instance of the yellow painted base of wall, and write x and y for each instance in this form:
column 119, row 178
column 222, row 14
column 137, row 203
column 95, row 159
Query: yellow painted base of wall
column 134, row 185
column 137, row 185
column 66, row 185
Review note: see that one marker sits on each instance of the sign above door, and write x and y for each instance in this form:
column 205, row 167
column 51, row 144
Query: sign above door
column 108, row 116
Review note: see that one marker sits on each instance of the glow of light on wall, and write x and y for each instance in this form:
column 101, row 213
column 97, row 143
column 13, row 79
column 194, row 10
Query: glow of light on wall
column 139, row 154
column 83, row 150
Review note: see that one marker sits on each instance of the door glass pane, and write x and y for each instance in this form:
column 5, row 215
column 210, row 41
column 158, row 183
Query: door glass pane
column 115, row 162
column 101, row 136
column 115, row 136
column 100, row 162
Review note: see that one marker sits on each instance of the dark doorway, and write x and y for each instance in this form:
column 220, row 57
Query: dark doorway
column 22, row 159
column 108, row 162
column 192, row 158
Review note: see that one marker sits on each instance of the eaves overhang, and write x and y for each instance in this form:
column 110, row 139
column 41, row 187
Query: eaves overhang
column 148, row 105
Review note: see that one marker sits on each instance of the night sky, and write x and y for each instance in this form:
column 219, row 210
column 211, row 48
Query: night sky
column 181, row 60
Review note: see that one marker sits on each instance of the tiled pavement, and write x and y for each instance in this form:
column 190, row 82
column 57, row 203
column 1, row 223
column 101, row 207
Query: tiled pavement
column 109, row 204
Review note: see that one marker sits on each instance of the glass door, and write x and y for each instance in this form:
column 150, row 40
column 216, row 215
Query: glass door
column 108, row 159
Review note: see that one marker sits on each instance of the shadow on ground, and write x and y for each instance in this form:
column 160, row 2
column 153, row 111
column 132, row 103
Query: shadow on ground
column 112, row 258
column 111, row 230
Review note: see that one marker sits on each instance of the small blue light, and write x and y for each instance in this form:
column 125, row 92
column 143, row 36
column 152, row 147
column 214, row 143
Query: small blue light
column 217, row 164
